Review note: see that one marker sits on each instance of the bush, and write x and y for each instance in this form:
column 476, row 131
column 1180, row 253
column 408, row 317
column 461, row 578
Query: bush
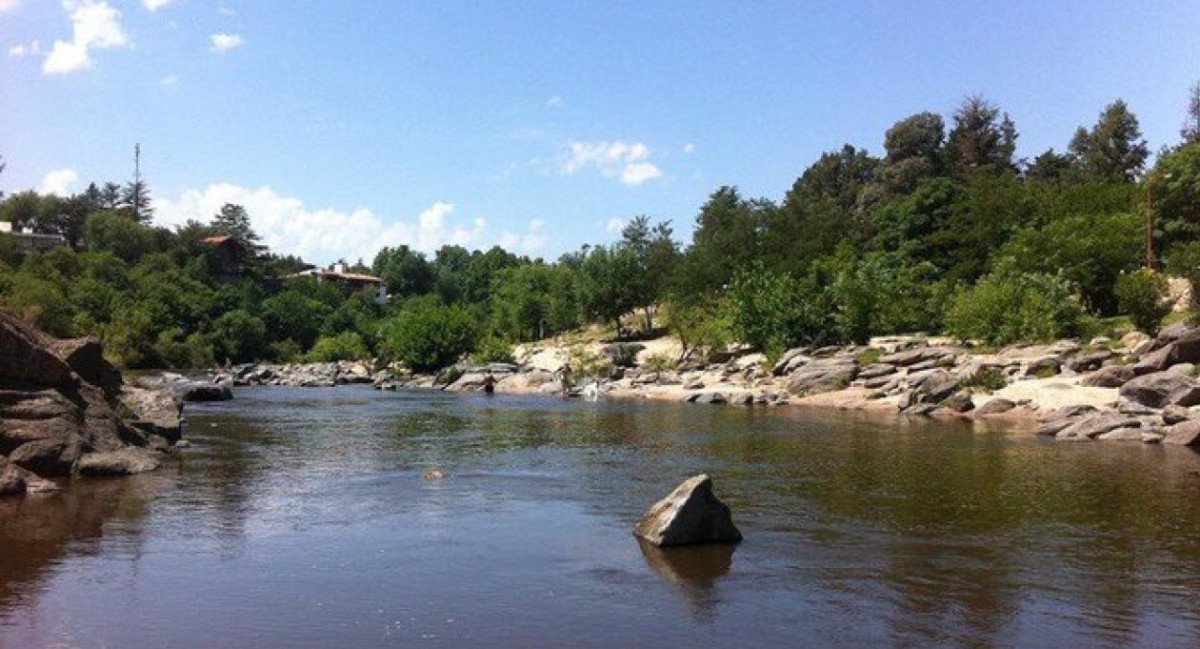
column 493, row 349
column 1184, row 260
column 989, row 379
column 429, row 337
column 346, row 346
column 1143, row 295
column 1012, row 306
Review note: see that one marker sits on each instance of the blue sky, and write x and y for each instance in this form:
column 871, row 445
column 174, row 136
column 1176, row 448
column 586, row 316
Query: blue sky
column 344, row 127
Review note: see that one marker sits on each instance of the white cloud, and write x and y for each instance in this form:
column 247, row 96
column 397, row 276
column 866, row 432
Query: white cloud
column 155, row 5
column 689, row 147
column 21, row 49
column 323, row 235
column 226, row 11
column 222, row 42
column 554, row 102
column 614, row 225
column 169, row 80
column 94, row 25
column 630, row 162
column 8, row 5
column 58, row 182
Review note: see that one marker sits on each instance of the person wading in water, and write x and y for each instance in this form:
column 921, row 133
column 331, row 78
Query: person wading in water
column 489, row 382
column 564, row 375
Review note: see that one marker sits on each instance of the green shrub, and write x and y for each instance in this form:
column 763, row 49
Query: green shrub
column 988, row 378
column 429, row 337
column 1011, row 306
column 1143, row 295
column 492, row 349
column 346, row 346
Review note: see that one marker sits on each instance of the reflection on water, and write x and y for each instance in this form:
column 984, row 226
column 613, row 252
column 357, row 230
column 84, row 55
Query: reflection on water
column 693, row 570
column 300, row 519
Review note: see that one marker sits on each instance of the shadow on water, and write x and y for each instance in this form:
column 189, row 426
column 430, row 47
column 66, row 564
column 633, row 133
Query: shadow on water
column 693, row 571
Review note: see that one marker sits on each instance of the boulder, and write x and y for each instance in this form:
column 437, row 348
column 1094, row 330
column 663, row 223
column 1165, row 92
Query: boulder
column 935, row 386
column 1090, row 361
column 1044, row 366
column 1110, row 376
column 1156, row 361
column 158, row 412
column 51, row 413
column 959, row 401
column 791, row 359
column 876, row 370
column 1094, row 426
column 126, row 461
column 915, row 356
column 1186, row 433
column 1161, row 389
column 825, row 375
column 207, row 392
column 1124, row 435
column 713, row 398
column 1174, row 414
column 995, row 406
column 690, row 515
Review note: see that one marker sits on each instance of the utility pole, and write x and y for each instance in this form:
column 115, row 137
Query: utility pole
column 137, row 181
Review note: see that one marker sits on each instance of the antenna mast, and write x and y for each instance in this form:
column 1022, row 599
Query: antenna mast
column 137, row 181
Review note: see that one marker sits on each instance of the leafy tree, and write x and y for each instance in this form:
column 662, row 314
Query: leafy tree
column 1176, row 180
column 21, row 209
column 1143, row 295
column 428, row 337
column 405, row 271
column 239, row 336
column 116, row 233
column 293, row 314
column 135, row 201
column 1050, row 167
column 1191, row 124
column 656, row 254
column 983, row 138
column 1010, row 305
column 1112, row 150
column 345, row 346
column 1090, row 251
column 233, row 220
column 726, row 238
column 914, row 151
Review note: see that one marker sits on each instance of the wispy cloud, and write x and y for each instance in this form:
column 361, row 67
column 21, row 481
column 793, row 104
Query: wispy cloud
column 614, row 225
column 629, row 162
column 155, row 5
column 21, row 49
column 94, row 25
column 689, row 147
column 222, row 42
column 8, row 5
column 555, row 102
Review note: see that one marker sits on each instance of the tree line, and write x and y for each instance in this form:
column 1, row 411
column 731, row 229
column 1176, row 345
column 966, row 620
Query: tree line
column 946, row 231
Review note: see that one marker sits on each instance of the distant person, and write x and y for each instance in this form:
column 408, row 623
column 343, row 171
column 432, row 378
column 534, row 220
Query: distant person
column 489, row 382
column 564, row 376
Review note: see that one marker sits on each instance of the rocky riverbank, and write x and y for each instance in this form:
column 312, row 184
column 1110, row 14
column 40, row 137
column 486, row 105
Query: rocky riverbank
column 64, row 410
column 1137, row 388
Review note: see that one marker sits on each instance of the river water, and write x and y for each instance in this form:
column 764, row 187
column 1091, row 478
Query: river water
column 300, row 519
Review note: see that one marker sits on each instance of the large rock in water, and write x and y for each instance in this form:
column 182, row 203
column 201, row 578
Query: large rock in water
column 1161, row 389
column 57, row 402
column 690, row 515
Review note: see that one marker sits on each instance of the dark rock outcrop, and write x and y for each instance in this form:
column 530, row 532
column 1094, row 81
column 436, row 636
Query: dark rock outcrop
column 690, row 515
column 207, row 392
column 1110, row 376
column 58, row 402
column 1186, row 433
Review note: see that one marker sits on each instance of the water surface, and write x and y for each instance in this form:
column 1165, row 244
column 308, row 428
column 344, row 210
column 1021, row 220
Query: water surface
column 300, row 519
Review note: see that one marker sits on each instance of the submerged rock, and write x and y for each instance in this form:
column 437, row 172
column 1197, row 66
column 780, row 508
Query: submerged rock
column 692, row 514
column 126, row 461
column 207, row 392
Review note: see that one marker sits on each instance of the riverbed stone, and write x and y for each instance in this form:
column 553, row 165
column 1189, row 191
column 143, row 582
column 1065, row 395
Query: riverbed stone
column 1185, row 433
column 995, row 406
column 823, row 375
column 1094, row 426
column 1089, row 361
column 1124, row 435
column 690, row 515
column 791, row 360
column 959, row 401
column 1174, row 414
column 207, row 392
column 126, row 461
column 876, row 370
column 1161, row 389
column 916, row 356
column 1109, row 376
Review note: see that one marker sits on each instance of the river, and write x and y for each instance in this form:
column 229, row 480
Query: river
column 300, row 519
